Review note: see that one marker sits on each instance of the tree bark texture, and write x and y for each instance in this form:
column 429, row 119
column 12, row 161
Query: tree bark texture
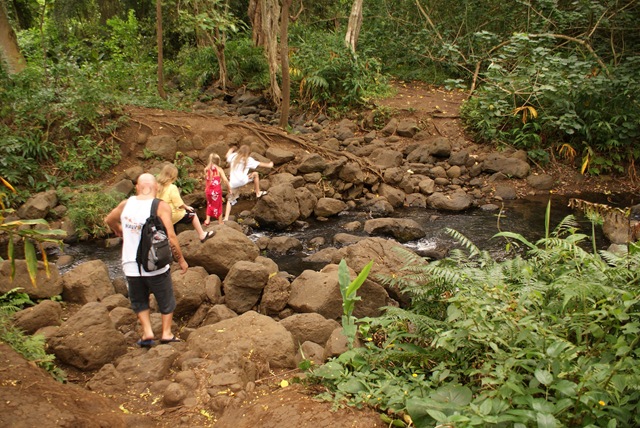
column 264, row 15
column 9, row 49
column 161, row 91
column 355, row 23
column 284, row 61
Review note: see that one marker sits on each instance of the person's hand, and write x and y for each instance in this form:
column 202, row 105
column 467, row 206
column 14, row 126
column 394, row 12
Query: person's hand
column 188, row 208
column 183, row 265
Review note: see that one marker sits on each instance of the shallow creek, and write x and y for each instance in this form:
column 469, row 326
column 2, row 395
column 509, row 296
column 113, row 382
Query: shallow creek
column 523, row 216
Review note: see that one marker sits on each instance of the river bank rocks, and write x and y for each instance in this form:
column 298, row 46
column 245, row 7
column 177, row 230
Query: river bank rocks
column 236, row 323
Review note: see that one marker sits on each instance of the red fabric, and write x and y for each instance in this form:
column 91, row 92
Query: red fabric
column 213, row 193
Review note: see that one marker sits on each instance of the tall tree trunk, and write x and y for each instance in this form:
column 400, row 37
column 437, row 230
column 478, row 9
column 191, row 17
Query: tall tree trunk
column 355, row 23
column 284, row 61
column 9, row 49
column 219, row 43
column 161, row 91
column 264, row 15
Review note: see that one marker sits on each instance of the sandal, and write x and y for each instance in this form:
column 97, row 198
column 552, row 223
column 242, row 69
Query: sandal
column 207, row 236
column 261, row 194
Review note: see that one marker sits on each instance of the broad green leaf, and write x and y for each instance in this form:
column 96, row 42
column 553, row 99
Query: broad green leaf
column 454, row 394
column 330, row 370
column 437, row 415
column 543, row 376
column 32, row 260
column 357, row 283
column 352, row 386
column 546, row 420
column 566, row 387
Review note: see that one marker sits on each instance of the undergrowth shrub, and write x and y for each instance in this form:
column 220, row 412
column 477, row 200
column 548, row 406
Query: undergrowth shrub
column 87, row 208
column 549, row 339
column 326, row 74
column 538, row 99
column 31, row 347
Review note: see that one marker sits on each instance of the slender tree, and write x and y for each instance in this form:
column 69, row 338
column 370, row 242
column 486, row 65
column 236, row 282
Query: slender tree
column 284, row 61
column 355, row 23
column 161, row 91
column 9, row 49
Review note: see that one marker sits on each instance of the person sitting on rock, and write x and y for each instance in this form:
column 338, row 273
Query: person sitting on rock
column 181, row 213
column 240, row 163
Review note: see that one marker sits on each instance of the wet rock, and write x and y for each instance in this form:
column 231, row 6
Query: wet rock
column 456, row 201
column 327, row 207
column 402, row 229
column 284, row 244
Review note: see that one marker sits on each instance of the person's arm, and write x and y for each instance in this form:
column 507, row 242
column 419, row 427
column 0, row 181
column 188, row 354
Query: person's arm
column 176, row 199
column 224, row 179
column 113, row 218
column 266, row 164
column 164, row 212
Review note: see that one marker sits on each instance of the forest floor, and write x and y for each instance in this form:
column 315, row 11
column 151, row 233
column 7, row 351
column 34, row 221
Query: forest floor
column 35, row 399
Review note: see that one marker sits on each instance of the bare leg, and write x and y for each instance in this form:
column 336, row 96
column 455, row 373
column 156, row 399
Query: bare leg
column 145, row 321
column 166, row 326
column 198, row 227
column 256, row 182
column 228, row 207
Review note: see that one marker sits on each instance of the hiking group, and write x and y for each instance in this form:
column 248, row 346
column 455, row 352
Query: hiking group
column 146, row 223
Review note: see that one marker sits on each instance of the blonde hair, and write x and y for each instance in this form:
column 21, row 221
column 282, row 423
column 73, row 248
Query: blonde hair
column 214, row 160
column 168, row 175
column 243, row 154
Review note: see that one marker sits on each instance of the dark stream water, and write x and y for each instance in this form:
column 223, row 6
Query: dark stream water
column 523, row 216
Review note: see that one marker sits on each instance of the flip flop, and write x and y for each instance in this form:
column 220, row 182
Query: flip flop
column 145, row 343
column 261, row 194
column 207, row 236
column 173, row 339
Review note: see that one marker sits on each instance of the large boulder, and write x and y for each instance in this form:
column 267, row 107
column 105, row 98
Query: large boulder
column 219, row 253
column 88, row 339
column 319, row 292
column 386, row 158
column 509, row 166
column 309, row 327
column 278, row 209
column 189, row 289
column 243, row 285
column 402, row 229
column 87, row 282
column 250, row 335
column 327, row 207
column 39, row 205
column 163, row 146
column 312, row 162
column 147, row 367
column 458, row 200
column 275, row 295
column 47, row 285
column 44, row 314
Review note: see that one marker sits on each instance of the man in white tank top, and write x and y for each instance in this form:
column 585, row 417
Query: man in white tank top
column 126, row 220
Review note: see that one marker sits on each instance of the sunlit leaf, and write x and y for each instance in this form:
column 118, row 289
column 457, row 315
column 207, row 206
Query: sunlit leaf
column 32, row 260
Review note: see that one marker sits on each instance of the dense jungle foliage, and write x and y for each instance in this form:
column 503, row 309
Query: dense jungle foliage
column 555, row 78
column 547, row 339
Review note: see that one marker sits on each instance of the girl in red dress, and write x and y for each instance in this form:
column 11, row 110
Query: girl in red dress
column 214, row 176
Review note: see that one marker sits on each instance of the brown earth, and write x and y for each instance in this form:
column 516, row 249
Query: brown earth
column 30, row 397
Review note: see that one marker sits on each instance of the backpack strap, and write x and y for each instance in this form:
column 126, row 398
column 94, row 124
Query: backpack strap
column 154, row 206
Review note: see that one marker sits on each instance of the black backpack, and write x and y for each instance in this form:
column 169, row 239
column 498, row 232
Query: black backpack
column 154, row 251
